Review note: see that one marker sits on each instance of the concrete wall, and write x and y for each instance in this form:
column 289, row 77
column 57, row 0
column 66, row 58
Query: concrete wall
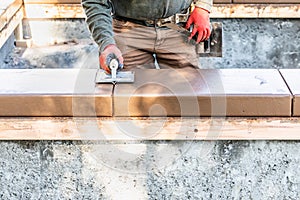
column 258, row 43
column 154, row 170
column 161, row 170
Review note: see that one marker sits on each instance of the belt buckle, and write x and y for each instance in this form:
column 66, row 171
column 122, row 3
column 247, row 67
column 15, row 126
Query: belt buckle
column 156, row 22
column 163, row 21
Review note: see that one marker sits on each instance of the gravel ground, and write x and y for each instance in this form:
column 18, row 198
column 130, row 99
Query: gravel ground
column 70, row 54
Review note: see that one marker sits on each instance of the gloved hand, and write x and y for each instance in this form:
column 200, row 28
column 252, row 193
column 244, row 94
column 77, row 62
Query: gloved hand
column 110, row 52
column 200, row 19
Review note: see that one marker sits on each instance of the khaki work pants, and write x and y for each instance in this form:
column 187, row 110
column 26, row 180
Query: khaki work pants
column 141, row 44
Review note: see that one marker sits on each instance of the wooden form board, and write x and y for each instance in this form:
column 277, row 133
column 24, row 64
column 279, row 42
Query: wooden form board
column 4, row 4
column 220, row 10
column 8, row 9
column 10, row 26
column 255, row 11
column 107, row 129
column 52, row 1
column 222, row 1
column 266, row 1
column 215, row 1
column 48, row 11
column 79, row 1
column 53, row 92
column 11, row 15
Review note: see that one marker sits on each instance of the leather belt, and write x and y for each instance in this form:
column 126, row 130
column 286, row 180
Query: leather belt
column 174, row 19
column 162, row 22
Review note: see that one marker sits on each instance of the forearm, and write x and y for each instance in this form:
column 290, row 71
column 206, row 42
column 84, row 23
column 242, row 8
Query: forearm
column 99, row 21
column 205, row 4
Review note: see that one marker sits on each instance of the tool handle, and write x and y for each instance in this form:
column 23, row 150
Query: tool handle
column 113, row 61
column 114, row 66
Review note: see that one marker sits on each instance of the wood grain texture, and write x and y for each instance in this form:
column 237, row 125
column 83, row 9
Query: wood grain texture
column 149, row 129
column 10, row 26
column 266, row 1
column 220, row 10
column 222, row 1
column 8, row 10
column 37, row 11
column 255, row 11
column 52, row 1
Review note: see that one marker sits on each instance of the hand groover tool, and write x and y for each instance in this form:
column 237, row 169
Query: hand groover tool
column 116, row 76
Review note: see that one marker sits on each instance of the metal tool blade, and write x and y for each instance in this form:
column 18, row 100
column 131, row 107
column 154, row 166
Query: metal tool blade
column 121, row 77
column 113, row 65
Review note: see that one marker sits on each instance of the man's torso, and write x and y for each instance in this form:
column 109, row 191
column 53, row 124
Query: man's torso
column 145, row 10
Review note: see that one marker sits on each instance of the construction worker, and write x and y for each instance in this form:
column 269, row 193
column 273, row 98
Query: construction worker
column 135, row 32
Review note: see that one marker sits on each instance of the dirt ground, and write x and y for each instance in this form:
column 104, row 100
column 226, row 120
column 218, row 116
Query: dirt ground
column 69, row 54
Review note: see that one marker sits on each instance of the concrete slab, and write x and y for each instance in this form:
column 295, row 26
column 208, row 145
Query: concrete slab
column 53, row 92
column 292, row 78
column 191, row 92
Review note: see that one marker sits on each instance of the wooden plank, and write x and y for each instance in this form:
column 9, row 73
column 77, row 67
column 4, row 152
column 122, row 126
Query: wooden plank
column 10, row 27
column 105, row 129
column 53, row 92
column 292, row 78
column 6, row 3
column 219, row 11
column 222, row 1
column 255, row 11
column 52, row 1
column 192, row 92
column 267, row 1
column 37, row 11
column 8, row 10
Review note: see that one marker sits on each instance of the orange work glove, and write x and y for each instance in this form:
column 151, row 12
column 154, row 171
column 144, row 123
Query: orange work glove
column 110, row 52
column 200, row 19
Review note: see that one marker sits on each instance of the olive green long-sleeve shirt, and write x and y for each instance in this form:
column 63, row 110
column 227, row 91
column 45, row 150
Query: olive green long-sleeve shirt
column 99, row 18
